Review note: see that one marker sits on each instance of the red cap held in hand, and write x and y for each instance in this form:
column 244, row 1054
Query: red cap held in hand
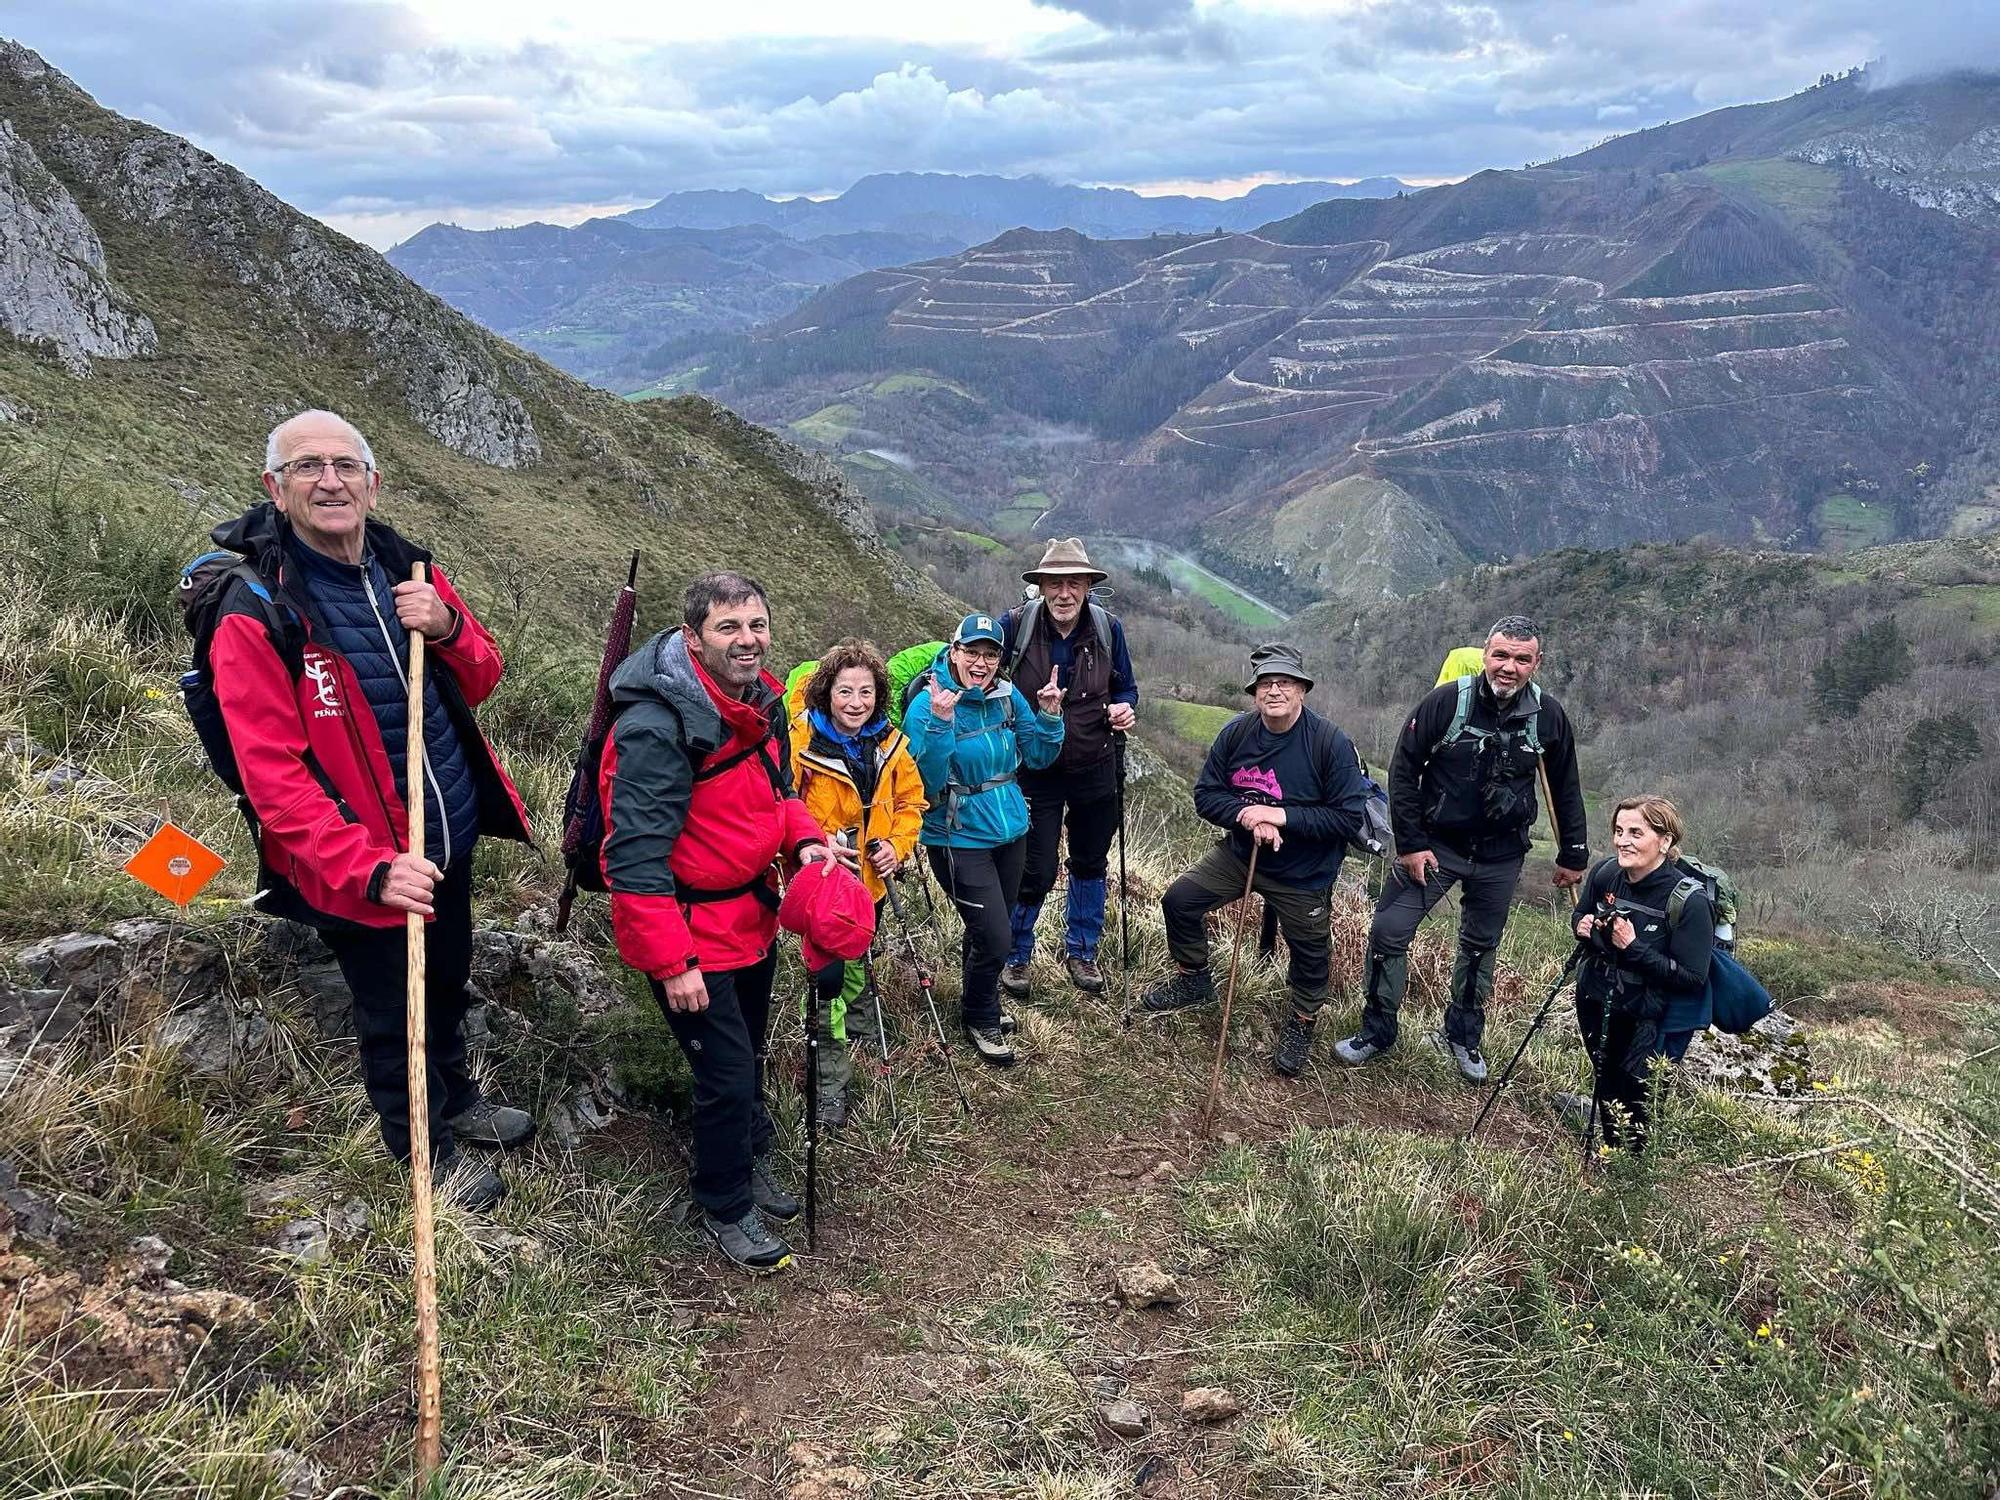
column 828, row 907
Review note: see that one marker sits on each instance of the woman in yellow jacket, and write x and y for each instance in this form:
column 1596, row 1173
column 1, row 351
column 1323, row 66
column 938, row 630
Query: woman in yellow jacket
column 853, row 769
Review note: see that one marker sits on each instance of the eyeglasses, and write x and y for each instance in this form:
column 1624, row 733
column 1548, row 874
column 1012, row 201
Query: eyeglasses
column 346, row 470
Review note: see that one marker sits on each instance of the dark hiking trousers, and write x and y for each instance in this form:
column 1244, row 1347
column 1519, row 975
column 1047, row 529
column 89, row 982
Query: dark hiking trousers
column 724, row 1047
column 375, row 963
column 1623, row 1076
column 1487, row 893
column 1303, row 916
column 1086, row 802
column 983, row 884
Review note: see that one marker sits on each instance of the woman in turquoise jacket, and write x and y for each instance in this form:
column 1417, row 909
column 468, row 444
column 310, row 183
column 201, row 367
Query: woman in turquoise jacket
column 971, row 733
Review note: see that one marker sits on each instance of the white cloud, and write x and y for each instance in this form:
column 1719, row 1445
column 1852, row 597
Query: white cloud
column 381, row 115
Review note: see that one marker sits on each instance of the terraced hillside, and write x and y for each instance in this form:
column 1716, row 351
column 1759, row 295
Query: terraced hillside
column 1742, row 346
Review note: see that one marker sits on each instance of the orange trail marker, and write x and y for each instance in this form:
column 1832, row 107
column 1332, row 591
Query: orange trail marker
column 175, row 863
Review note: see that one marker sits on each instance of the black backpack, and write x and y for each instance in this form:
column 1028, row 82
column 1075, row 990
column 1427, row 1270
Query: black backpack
column 205, row 584
column 1376, row 836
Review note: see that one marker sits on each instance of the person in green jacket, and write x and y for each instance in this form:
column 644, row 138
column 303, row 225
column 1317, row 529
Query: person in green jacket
column 971, row 734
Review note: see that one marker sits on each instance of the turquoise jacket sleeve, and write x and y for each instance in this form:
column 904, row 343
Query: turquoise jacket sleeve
column 1038, row 739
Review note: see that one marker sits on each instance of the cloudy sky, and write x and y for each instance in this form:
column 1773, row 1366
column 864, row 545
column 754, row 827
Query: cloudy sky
column 381, row 116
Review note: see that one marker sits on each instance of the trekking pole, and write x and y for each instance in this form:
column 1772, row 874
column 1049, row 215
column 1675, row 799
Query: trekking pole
column 1541, row 1016
column 924, row 983
column 1596, row 1085
column 882, row 1034
column 812, row 1112
column 430, row 1374
column 1124, row 925
column 1229, row 994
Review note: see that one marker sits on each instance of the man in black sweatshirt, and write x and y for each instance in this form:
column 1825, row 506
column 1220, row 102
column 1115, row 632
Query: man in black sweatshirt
column 1288, row 780
column 1462, row 797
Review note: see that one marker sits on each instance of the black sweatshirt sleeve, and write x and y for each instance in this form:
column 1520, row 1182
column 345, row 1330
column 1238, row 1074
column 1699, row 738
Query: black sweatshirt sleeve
column 1214, row 798
column 1426, row 723
column 1572, row 830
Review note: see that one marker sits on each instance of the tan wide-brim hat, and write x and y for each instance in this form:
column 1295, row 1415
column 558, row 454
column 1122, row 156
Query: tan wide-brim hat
column 1065, row 558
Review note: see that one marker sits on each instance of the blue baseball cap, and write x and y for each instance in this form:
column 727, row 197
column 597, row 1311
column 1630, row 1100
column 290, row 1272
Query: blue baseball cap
column 977, row 628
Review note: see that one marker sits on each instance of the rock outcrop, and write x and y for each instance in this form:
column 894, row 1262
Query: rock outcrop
column 54, row 289
column 448, row 374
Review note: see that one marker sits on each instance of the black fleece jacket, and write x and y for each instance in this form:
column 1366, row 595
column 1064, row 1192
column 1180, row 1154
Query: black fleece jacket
column 1437, row 796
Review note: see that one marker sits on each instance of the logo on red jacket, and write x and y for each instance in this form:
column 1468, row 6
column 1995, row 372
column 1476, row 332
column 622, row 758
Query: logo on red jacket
column 326, row 688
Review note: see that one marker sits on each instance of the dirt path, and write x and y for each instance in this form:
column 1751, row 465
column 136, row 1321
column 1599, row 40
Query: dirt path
column 934, row 1242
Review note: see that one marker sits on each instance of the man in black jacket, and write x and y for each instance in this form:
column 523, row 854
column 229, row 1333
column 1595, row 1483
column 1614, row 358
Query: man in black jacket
column 1462, row 798
column 1288, row 780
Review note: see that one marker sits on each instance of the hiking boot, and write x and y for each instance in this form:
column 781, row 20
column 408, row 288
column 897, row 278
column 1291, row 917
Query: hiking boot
column 1180, row 990
column 470, row 1185
column 1085, row 974
column 1471, row 1066
column 1014, row 980
column 748, row 1242
column 1007, row 1023
column 991, row 1043
column 1357, row 1051
column 1295, row 1046
column 833, row 1109
column 492, row 1125
column 769, row 1194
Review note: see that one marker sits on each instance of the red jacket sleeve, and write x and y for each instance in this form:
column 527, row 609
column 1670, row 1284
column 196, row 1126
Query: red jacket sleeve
column 800, row 829
column 469, row 651
column 260, row 707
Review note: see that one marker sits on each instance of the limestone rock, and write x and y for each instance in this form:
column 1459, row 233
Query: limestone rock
column 130, row 1314
column 305, row 1241
column 54, row 290
column 1146, row 1285
column 1772, row 1059
column 213, row 1039
column 1210, row 1403
column 1125, row 1418
column 25, row 1212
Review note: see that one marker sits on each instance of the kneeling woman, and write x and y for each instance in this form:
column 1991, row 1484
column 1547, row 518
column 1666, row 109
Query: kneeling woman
column 971, row 734
column 853, row 770
column 1643, row 990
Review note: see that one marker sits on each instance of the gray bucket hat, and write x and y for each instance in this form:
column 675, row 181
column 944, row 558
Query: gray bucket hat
column 1276, row 659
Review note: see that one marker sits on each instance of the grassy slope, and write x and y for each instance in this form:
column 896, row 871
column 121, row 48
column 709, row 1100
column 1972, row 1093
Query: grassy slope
column 1773, row 1298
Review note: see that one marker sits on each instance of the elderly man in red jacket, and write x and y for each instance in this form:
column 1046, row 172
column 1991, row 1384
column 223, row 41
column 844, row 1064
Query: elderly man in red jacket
column 698, row 807
column 308, row 658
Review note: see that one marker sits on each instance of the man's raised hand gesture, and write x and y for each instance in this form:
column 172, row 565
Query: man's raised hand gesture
column 1049, row 699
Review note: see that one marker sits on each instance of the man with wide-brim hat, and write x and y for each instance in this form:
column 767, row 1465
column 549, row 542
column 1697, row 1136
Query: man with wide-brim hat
column 1062, row 629
column 1288, row 782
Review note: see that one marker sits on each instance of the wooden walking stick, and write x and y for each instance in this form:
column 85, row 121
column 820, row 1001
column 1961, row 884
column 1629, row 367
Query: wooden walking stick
column 1229, row 992
column 429, row 1363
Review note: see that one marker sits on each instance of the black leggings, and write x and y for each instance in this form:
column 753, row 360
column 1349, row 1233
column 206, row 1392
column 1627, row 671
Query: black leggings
column 983, row 883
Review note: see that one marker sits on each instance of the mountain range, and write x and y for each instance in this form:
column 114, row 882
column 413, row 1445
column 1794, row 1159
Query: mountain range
column 166, row 311
column 1771, row 324
column 614, row 300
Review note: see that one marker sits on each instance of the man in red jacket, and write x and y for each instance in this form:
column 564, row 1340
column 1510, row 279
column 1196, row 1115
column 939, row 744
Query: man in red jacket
column 698, row 806
column 309, row 659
